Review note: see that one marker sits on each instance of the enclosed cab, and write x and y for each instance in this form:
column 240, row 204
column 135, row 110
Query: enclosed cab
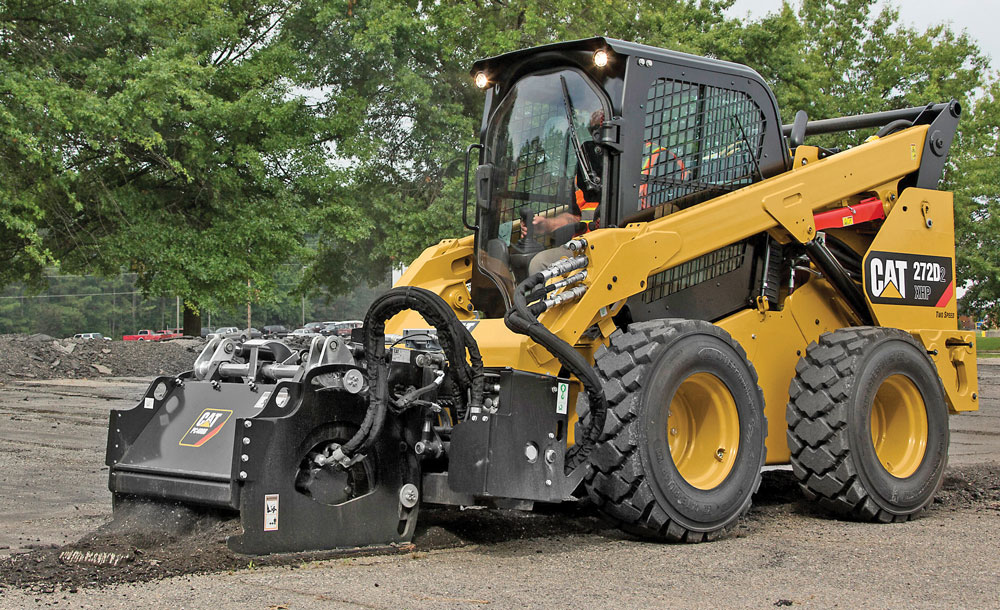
column 606, row 132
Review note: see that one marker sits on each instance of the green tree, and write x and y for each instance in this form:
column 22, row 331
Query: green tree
column 976, row 183
column 161, row 135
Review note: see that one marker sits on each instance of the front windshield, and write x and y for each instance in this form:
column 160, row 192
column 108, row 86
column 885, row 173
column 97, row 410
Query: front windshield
column 546, row 181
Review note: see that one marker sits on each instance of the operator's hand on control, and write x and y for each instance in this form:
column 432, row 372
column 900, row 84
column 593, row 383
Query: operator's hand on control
column 543, row 224
column 540, row 223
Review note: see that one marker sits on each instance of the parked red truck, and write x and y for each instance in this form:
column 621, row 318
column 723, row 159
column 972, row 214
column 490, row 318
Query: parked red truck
column 143, row 335
column 152, row 335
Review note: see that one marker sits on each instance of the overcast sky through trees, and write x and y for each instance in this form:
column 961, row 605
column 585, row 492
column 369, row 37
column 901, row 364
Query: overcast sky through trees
column 978, row 17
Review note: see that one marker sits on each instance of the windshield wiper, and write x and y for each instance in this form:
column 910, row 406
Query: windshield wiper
column 590, row 178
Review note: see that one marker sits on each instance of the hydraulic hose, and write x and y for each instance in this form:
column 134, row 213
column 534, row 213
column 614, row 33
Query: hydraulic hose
column 521, row 319
column 455, row 339
column 893, row 126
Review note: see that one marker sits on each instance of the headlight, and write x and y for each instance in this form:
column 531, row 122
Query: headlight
column 600, row 58
column 481, row 80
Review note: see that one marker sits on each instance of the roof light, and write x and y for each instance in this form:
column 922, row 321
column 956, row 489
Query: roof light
column 481, row 80
column 600, row 58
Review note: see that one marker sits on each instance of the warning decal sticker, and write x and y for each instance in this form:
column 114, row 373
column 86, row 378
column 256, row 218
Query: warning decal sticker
column 894, row 278
column 271, row 513
column 562, row 398
column 205, row 427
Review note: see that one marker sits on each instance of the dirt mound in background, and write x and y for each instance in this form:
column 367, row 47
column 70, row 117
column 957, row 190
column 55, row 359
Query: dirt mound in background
column 42, row 357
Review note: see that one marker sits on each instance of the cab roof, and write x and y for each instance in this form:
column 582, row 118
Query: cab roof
column 498, row 64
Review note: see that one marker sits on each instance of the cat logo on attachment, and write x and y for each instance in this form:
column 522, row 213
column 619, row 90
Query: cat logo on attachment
column 205, row 427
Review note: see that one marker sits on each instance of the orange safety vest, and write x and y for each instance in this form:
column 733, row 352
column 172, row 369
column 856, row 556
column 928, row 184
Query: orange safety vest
column 588, row 210
column 647, row 164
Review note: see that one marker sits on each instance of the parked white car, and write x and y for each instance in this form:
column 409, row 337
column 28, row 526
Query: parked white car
column 81, row 336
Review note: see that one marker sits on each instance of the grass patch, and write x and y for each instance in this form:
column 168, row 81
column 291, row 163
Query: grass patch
column 988, row 344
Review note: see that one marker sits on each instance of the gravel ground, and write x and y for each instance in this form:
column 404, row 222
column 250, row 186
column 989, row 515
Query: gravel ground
column 784, row 553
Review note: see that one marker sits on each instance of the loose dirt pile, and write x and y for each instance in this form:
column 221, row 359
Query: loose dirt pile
column 42, row 357
column 150, row 542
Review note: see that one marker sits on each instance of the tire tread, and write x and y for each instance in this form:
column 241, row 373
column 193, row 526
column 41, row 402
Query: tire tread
column 817, row 416
column 619, row 487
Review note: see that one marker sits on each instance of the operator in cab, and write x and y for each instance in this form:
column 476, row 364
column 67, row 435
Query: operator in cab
column 582, row 215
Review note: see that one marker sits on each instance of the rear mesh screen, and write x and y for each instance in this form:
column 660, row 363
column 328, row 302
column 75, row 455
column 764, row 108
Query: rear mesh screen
column 701, row 269
column 700, row 142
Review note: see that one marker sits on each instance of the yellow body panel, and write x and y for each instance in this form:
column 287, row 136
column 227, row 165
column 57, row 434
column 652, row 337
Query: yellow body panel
column 774, row 341
column 922, row 223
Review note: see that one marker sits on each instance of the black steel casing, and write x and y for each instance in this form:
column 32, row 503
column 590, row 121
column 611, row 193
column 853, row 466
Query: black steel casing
column 257, row 455
column 145, row 455
column 487, row 456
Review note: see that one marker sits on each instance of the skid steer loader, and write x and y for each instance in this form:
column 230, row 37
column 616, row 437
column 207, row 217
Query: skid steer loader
column 664, row 291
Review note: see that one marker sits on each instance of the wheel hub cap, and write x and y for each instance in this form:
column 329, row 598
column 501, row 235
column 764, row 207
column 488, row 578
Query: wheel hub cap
column 703, row 431
column 899, row 426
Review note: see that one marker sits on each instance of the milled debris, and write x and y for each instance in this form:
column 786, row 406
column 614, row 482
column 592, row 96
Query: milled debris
column 100, row 559
column 154, row 541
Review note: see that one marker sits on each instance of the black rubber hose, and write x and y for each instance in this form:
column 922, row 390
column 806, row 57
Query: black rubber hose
column 455, row 340
column 520, row 319
column 893, row 126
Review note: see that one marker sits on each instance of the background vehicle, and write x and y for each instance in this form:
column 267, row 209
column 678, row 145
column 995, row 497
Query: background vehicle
column 666, row 290
column 143, row 335
column 275, row 331
column 91, row 336
column 328, row 328
column 343, row 329
column 241, row 334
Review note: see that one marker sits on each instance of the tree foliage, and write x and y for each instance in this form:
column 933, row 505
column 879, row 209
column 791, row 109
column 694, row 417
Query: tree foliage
column 158, row 135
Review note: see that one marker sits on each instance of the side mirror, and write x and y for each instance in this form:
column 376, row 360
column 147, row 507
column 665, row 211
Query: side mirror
column 484, row 185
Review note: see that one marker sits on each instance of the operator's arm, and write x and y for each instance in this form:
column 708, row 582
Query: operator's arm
column 548, row 225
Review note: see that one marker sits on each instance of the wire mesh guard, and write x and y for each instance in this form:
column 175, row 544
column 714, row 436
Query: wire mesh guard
column 699, row 142
column 701, row 269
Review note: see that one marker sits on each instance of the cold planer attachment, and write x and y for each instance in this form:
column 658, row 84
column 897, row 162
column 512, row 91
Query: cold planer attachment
column 335, row 446
column 249, row 429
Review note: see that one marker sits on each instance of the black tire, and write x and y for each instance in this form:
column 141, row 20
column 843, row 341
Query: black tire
column 830, row 424
column 637, row 482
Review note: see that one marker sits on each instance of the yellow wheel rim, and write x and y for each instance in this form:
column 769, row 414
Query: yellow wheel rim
column 703, row 431
column 899, row 426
